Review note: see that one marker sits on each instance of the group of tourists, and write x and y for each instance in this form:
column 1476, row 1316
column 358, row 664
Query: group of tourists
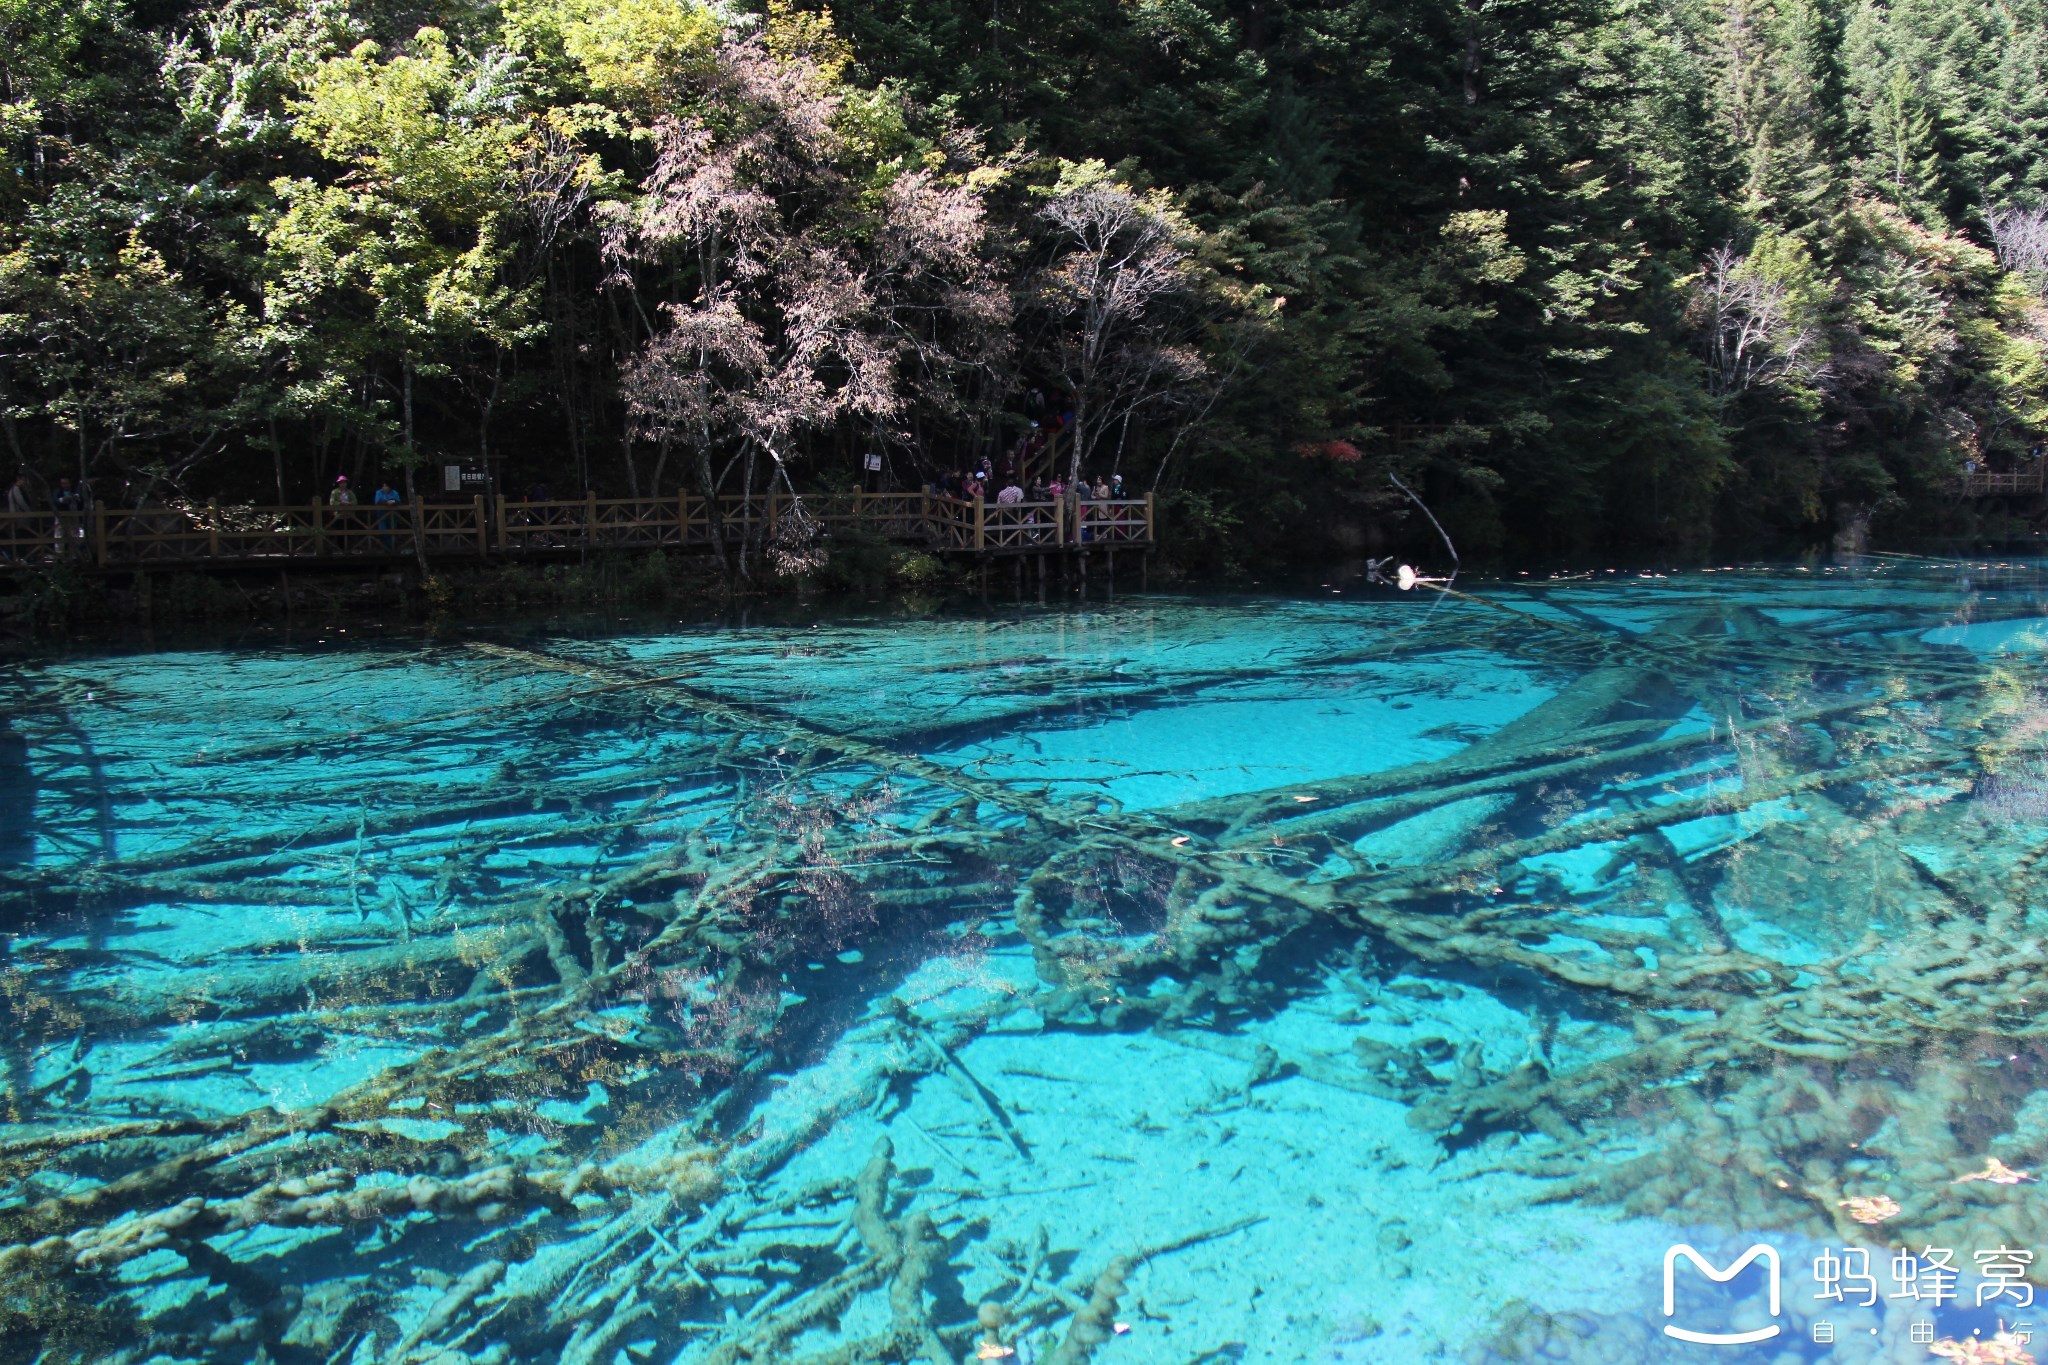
column 973, row 485
column 341, row 495
column 65, row 507
column 1005, row 477
column 383, row 500
column 54, row 525
column 1034, row 525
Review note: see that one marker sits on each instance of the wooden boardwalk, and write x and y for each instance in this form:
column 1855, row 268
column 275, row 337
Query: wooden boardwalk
column 1989, row 483
column 484, row 529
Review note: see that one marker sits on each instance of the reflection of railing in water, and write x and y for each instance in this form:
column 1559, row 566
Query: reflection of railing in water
column 483, row 529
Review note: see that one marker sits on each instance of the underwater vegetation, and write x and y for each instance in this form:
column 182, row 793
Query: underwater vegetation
column 1174, row 980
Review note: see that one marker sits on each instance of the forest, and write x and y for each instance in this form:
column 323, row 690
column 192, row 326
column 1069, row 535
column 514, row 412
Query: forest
column 1581, row 272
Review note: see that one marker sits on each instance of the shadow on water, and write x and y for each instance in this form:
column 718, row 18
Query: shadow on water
column 17, row 799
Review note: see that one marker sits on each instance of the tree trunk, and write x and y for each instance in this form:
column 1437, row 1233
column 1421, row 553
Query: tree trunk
column 660, row 468
column 1074, row 439
column 747, row 501
column 708, row 483
column 276, row 458
column 489, row 405
column 419, row 537
column 1472, row 53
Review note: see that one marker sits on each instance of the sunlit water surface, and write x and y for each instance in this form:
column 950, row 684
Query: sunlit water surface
column 1364, row 978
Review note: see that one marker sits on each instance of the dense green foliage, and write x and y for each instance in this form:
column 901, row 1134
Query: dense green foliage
column 1579, row 270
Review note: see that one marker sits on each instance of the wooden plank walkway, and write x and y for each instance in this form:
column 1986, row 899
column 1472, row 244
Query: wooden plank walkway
column 487, row 529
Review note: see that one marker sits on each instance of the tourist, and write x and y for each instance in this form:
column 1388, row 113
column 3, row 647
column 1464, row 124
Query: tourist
column 18, row 503
column 1011, row 494
column 1038, row 493
column 385, row 497
column 1116, row 487
column 341, row 496
column 975, row 487
column 70, row 510
column 1112, row 515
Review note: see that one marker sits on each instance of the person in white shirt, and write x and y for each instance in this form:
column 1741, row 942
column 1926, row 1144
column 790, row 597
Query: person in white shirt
column 17, row 533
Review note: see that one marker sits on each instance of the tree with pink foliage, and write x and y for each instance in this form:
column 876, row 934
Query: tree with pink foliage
column 806, row 271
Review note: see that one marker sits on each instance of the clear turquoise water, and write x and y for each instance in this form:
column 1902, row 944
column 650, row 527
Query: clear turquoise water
column 1366, row 978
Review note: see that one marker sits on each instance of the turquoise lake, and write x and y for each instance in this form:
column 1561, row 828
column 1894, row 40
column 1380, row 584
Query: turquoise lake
column 1343, row 976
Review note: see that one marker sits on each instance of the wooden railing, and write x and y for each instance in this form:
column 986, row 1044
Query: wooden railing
column 482, row 529
column 1982, row 483
column 1026, row 527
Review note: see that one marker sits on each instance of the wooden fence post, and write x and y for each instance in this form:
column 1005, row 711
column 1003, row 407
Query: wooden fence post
column 319, row 532
column 483, row 544
column 1151, row 533
column 590, row 519
column 980, row 524
column 501, row 523
column 774, row 511
column 682, row 517
column 212, row 531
